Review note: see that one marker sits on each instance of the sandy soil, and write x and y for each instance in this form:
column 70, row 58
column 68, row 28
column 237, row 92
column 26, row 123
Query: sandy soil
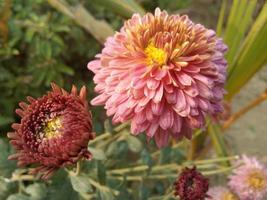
column 249, row 133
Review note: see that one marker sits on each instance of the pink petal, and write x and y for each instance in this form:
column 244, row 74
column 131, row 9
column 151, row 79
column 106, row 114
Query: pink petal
column 152, row 129
column 159, row 94
column 181, row 101
column 184, row 79
column 140, row 117
column 177, row 123
column 171, row 98
column 161, row 138
column 157, row 107
column 94, row 65
column 149, row 93
column 166, row 119
column 152, row 84
column 99, row 100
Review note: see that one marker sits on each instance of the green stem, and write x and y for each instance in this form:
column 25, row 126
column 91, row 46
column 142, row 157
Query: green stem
column 102, row 187
column 78, row 168
column 201, row 164
column 218, row 141
column 100, row 138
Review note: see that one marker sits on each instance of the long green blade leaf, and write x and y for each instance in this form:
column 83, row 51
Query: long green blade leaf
column 124, row 8
column 244, row 18
column 221, row 18
column 217, row 140
column 252, row 57
column 99, row 29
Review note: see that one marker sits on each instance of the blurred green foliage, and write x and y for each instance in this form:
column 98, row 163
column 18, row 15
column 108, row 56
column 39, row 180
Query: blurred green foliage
column 42, row 46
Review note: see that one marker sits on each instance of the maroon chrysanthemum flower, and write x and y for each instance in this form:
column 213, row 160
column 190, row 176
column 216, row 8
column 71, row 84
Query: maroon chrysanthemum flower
column 191, row 185
column 54, row 131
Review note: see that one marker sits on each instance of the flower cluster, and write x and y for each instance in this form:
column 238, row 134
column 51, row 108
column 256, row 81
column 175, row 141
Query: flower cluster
column 163, row 73
column 54, row 131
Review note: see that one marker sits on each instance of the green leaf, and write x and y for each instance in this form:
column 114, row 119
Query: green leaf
column 18, row 197
column 134, row 143
column 81, row 184
column 221, row 18
column 61, row 188
column 143, row 191
column 165, row 155
column 65, row 69
column 218, row 140
column 99, row 29
column 101, row 172
column 29, row 35
column 37, row 191
column 236, row 31
column 124, row 8
column 6, row 166
column 105, row 195
column 146, row 157
column 98, row 154
column 112, row 149
column 251, row 57
column 5, row 120
column 7, row 188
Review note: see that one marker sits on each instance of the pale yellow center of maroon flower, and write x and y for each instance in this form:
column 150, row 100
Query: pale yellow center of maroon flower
column 155, row 55
column 52, row 128
column 229, row 196
column 256, row 180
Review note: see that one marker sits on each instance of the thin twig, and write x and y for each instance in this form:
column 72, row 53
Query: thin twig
column 244, row 110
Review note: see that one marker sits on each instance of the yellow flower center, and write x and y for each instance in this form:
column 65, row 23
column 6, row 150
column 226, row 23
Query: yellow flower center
column 155, row 55
column 52, row 128
column 229, row 196
column 256, row 180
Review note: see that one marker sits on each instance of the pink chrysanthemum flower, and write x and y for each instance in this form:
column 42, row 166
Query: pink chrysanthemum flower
column 221, row 193
column 163, row 73
column 249, row 180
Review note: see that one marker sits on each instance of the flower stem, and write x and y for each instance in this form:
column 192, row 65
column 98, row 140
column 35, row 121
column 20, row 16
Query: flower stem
column 78, row 168
column 102, row 187
column 100, row 138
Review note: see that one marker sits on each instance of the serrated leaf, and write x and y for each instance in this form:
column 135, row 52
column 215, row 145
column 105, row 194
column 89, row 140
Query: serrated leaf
column 98, row 154
column 81, row 184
